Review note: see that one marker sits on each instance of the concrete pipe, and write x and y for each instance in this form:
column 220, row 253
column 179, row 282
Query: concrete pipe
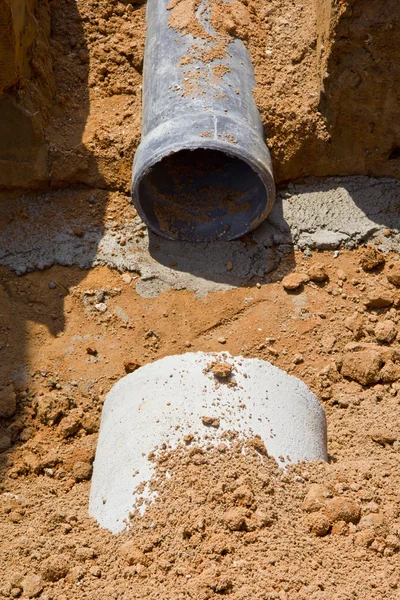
column 202, row 171
column 163, row 401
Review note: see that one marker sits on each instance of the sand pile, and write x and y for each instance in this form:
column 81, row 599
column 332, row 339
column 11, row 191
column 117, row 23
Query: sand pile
column 223, row 524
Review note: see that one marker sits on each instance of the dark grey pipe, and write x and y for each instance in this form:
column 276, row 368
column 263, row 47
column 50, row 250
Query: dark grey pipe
column 202, row 171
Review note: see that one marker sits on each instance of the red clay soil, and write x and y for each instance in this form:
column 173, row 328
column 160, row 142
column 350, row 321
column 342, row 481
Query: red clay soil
column 225, row 523
column 327, row 77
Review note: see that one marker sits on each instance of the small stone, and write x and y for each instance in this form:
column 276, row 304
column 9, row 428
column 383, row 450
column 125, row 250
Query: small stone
column 14, row 517
column 342, row 509
column 317, row 273
column 75, row 574
column 328, row 342
column 343, row 402
column 132, row 554
column 258, row 444
column 363, row 367
column 131, row 366
column 316, row 498
column 69, row 425
column 91, row 350
column 84, row 553
column 393, row 542
column 235, row 519
column 82, row 471
column 50, row 408
column 32, row 586
column 364, row 538
column 390, row 372
column 95, row 571
column 356, row 324
column 258, row 285
column 339, row 528
column 229, row 266
column 15, row 592
column 90, row 422
column 54, row 569
column 211, row 421
column 393, row 276
column 383, row 436
column 221, row 370
column 319, row 524
column 379, row 298
column 372, row 520
column 298, row 359
column 126, row 278
column 341, row 275
column 293, row 281
column 101, row 307
column 371, row 258
column 221, row 340
column 386, row 332
column 78, row 231
column 188, row 344
column 8, row 403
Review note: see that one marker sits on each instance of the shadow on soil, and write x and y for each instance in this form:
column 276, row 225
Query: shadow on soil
column 242, row 262
column 26, row 221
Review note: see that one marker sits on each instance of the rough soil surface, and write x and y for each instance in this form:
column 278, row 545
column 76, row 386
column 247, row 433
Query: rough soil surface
column 225, row 523
column 302, row 73
column 326, row 77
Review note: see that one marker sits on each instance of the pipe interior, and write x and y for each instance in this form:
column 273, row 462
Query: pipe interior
column 202, row 195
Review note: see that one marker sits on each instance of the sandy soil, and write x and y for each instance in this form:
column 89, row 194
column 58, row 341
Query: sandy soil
column 326, row 75
column 68, row 335
column 224, row 525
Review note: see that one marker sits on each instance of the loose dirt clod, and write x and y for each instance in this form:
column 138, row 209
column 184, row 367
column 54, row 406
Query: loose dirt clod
column 371, row 258
column 363, row 366
column 317, row 272
column 131, row 366
column 294, row 281
column 393, row 275
column 211, row 421
column 221, row 369
column 386, row 331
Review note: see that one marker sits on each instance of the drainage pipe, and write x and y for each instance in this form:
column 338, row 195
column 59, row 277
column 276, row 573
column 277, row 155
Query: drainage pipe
column 202, row 171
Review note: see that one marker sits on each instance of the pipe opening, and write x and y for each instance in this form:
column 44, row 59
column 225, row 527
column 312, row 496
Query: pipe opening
column 202, row 195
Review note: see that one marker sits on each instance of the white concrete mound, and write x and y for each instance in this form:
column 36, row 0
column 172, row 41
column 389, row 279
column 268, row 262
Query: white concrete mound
column 166, row 400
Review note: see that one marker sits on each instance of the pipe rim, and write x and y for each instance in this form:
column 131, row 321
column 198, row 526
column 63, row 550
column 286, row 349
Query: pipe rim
column 158, row 145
